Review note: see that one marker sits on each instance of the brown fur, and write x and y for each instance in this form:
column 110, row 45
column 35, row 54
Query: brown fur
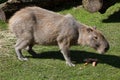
column 34, row 25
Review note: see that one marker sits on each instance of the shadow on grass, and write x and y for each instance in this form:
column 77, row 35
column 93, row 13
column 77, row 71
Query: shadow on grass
column 79, row 56
column 107, row 4
column 55, row 5
column 113, row 18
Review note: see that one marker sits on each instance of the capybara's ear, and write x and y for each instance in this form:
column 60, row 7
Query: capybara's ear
column 89, row 30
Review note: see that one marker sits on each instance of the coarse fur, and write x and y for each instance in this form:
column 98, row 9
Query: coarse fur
column 34, row 25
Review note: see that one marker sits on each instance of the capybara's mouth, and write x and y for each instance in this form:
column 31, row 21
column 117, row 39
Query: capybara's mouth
column 101, row 51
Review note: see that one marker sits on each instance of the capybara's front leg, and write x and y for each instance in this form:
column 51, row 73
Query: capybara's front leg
column 66, row 54
column 64, row 47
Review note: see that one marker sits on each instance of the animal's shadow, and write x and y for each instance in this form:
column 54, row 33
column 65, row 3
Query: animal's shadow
column 107, row 4
column 79, row 56
column 113, row 18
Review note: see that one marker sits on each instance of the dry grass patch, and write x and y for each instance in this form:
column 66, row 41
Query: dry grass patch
column 7, row 40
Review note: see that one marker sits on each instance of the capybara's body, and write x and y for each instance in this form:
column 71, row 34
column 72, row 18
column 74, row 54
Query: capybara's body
column 42, row 26
column 34, row 25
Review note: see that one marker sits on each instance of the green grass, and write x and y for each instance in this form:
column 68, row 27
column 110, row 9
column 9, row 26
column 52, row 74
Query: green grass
column 3, row 25
column 51, row 65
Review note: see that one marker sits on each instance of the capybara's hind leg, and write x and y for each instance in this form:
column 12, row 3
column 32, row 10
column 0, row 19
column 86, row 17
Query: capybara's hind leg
column 30, row 50
column 21, row 44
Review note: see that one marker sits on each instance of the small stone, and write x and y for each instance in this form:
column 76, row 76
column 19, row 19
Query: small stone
column 86, row 64
column 94, row 64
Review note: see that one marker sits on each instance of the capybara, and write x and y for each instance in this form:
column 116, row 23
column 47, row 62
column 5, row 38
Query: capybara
column 34, row 25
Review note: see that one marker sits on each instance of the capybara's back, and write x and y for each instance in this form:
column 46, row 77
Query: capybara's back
column 30, row 17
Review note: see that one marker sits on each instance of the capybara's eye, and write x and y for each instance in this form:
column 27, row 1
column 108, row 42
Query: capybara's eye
column 95, row 37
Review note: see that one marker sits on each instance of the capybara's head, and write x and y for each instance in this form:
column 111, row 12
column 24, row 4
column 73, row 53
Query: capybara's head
column 93, row 38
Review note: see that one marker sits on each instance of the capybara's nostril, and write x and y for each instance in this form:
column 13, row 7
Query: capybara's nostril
column 107, row 48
